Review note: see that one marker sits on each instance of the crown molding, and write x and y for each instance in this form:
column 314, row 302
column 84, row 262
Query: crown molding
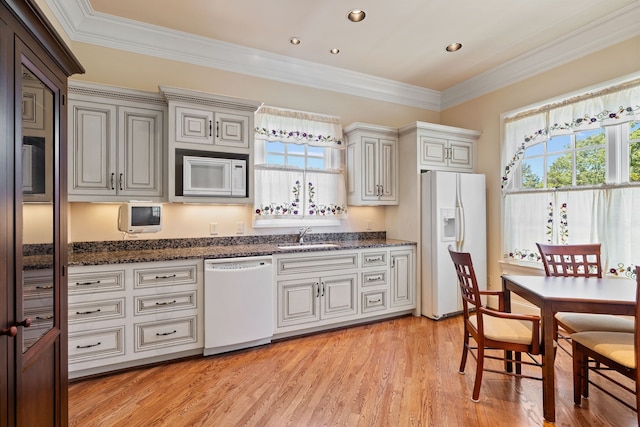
column 600, row 34
column 83, row 24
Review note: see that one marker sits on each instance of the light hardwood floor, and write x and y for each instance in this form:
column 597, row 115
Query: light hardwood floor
column 402, row 372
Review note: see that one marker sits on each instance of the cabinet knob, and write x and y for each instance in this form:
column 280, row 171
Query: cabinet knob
column 11, row 331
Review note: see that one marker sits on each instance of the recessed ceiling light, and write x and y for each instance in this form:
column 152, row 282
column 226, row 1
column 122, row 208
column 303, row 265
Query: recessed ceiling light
column 295, row 40
column 356, row 15
column 335, row 51
column 453, row 47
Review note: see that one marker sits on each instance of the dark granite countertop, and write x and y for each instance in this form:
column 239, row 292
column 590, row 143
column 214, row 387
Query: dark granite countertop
column 130, row 251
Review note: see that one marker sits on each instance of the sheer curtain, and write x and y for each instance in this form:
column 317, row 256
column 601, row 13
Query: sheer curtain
column 310, row 187
column 604, row 214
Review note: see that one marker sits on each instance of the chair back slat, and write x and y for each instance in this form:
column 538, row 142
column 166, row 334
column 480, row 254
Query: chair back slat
column 571, row 260
column 468, row 283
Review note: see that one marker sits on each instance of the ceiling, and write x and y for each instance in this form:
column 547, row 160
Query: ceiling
column 397, row 52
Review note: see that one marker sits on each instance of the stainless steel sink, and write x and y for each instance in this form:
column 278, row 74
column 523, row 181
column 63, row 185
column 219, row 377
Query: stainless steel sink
column 308, row 246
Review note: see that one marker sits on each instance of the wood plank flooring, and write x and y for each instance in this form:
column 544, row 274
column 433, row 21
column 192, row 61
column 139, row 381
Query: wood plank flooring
column 402, row 372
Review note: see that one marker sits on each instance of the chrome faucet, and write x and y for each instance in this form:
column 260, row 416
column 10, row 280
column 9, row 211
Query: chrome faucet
column 303, row 231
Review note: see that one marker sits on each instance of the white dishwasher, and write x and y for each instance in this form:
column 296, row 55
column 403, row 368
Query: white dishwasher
column 238, row 303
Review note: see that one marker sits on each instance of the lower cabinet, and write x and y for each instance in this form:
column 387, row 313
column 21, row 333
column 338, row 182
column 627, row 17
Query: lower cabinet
column 320, row 290
column 131, row 314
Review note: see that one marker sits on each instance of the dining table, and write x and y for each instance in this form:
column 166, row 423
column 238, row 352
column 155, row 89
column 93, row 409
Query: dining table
column 608, row 295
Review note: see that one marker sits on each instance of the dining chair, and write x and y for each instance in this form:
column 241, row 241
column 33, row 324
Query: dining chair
column 612, row 351
column 493, row 329
column 582, row 260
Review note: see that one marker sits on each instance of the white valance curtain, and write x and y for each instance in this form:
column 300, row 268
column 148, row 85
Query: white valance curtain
column 284, row 192
column 298, row 127
column 607, row 107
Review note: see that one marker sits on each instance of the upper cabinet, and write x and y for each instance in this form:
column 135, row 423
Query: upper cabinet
column 208, row 126
column 442, row 147
column 372, row 164
column 116, row 144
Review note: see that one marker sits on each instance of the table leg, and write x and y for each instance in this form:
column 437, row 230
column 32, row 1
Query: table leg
column 548, row 368
column 506, row 299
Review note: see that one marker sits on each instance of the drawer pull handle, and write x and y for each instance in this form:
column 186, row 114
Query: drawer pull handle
column 45, row 287
column 373, row 278
column 378, row 300
column 171, row 276
column 162, row 334
column 89, row 345
column 88, row 312
column 374, row 259
column 87, row 283
column 44, row 317
column 166, row 303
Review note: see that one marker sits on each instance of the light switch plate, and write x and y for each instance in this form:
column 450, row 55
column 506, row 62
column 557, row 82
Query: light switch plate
column 240, row 227
column 213, row 228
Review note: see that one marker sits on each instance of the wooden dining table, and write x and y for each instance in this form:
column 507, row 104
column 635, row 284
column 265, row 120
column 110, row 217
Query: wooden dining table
column 573, row 294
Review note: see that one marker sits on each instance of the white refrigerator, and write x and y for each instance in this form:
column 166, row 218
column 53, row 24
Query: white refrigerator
column 453, row 213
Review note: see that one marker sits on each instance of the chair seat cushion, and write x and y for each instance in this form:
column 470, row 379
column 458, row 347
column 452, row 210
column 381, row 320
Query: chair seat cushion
column 582, row 322
column 617, row 346
column 506, row 330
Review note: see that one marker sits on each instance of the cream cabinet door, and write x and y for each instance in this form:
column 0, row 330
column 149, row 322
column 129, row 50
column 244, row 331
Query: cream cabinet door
column 92, row 148
column 194, row 125
column 440, row 153
column 140, row 152
column 298, row 301
column 387, row 170
column 402, row 278
column 232, row 130
column 370, row 163
column 338, row 296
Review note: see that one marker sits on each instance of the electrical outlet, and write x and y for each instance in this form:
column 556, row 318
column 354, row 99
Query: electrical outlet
column 368, row 224
column 213, row 228
column 240, row 227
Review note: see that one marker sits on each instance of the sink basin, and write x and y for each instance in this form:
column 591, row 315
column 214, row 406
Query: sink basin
column 309, row 246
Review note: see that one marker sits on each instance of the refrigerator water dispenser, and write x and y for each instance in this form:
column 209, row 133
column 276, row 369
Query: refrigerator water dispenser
column 448, row 224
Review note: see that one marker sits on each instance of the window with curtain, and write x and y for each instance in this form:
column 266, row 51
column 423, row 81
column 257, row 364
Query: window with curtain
column 571, row 175
column 298, row 172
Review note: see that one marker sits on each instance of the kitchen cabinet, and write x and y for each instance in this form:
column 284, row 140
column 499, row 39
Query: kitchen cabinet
column 117, row 141
column 372, row 164
column 444, row 153
column 212, row 128
column 208, row 125
column 403, row 284
column 132, row 314
column 334, row 288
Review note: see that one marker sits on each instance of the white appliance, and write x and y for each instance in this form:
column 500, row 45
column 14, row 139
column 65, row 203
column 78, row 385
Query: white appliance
column 453, row 213
column 238, row 303
column 209, row 176
column 140, row 217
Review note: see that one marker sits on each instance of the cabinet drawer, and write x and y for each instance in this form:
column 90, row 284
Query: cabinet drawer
column 99, row 281
column 91, row 311
column 37, row 283
column 96, row 344
column 166, row 333
column 166, row 302
column 374, row 259
column 374, row 301
column 337, row 261
column 374, row 278
column 165, row 276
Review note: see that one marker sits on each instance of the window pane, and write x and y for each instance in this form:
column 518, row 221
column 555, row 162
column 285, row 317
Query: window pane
column 560, row 170
column 589, row 138
column 634, row 162
column 275, row 147
column 534, row 150
column 275, row 159
column 314, row 163
column 590, row 166
column 296, row 161
column 532, row 173
column 559, row 143
column 295, row 149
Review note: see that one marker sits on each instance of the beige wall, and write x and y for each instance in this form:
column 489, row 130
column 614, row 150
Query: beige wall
column 483, row 113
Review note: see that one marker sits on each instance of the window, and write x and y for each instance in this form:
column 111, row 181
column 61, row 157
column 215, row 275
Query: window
column 572, row 175
column 298, row 169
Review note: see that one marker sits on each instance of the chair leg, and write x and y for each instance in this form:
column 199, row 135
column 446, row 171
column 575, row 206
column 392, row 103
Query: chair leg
column 465, row 351
column 518, row 364
column 585, row 375
column 479, row 370
column 578, row 368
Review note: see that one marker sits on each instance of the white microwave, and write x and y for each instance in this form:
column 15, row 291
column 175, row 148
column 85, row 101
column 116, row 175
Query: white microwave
column 212, row 176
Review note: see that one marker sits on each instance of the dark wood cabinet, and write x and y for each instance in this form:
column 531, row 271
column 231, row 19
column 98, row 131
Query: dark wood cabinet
column 34, row 67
